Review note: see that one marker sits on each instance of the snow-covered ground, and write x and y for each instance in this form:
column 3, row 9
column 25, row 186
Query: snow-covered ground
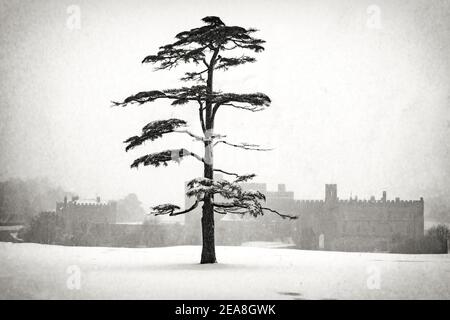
column 33, row 271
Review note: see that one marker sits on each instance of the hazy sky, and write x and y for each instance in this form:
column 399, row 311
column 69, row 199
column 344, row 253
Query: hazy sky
column 367, row 108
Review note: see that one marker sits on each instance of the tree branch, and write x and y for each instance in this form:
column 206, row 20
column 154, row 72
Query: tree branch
column 196, row 137
column 247, row 108
column 194, row 76
column 170, row 209
column 234, row 207
column 246, row 146
column 226, row 63
column 180, row 96
column 228, row 173
column 240, row 178
column 156, row 159
column 223, row 212
column 284, row 216
column 240, row 201
column 154, row 130
column 253, row 102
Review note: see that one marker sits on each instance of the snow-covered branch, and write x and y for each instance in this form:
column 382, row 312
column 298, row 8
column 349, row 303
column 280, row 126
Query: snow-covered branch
column 240, row 178
column 156, row 159
column 284, row 216
column 154, row 130
column 179, row 96
column 248, row 101
column 243, row 145
column 196, row 137
column 238, row 201
column 170, row 209
column 226, row 172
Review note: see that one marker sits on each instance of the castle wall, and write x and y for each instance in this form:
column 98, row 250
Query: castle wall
column 75, row 213
column 359, row 225
column 347, row 225
column 385, row 219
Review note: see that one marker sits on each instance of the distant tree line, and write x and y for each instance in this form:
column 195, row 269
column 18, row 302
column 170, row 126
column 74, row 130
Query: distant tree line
column 434, row 241
column 129, row 209
column 21, row 200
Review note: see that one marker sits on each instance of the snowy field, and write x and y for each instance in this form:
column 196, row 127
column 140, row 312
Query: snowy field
column 33, row 271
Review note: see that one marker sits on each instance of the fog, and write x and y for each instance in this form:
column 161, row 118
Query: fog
column 366, row 107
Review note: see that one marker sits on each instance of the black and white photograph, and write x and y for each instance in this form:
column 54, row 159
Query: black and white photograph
column 213, row 150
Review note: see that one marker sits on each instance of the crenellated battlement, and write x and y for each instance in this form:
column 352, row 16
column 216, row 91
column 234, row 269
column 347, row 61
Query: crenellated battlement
column 332, row 201
column 362, row 202
column 309, row 202
column 90, row 205
column 332, row 223
column 85, row 206
column 384, row 203
column 89, row 210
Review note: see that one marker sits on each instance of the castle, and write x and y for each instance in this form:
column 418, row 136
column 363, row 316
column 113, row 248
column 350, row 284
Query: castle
column 328, row 224
column 82, row 212
column 358, row 225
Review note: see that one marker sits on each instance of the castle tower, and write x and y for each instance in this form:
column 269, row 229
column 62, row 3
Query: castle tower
column 330, row 192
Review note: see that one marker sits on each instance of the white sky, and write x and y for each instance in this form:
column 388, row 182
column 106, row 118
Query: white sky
column 365, row 108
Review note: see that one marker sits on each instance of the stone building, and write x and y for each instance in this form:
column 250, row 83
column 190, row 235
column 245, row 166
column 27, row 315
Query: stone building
column 328, row 224
column 82, row 212
column 358, row 225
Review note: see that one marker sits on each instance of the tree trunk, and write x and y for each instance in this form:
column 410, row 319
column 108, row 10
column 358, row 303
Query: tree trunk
column 208, row 248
